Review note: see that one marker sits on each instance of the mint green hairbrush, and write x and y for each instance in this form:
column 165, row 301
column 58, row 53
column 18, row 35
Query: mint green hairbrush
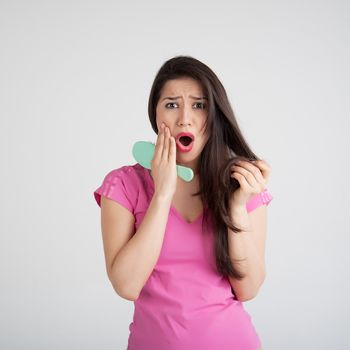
column 143, row 152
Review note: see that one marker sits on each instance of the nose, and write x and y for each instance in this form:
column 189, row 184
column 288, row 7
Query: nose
column 184, row 117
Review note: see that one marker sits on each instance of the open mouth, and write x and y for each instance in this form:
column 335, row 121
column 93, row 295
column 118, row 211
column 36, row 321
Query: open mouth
column 185, row 140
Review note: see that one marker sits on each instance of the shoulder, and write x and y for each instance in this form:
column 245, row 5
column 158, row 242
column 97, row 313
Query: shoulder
column 121, row 184
column 125, row 172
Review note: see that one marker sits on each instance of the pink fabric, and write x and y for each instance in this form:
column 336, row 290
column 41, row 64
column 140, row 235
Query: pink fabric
column 185, row 303
column 264, row 197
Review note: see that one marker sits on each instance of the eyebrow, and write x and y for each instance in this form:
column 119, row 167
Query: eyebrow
column 193, row 97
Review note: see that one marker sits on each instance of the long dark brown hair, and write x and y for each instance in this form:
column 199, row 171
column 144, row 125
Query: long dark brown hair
column 226, row 144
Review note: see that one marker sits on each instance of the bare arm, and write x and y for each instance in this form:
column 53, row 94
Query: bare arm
column 249, row 244
column 130, row 263
column 130, row 258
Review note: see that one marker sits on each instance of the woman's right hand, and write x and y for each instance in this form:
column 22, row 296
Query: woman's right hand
column 163, row 164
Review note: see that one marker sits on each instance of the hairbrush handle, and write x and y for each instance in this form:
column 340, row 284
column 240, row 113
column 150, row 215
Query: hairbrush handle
column 143, row 152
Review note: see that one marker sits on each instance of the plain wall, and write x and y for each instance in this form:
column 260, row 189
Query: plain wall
column 74, row 83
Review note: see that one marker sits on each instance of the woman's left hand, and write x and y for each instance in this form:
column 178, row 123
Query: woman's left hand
column 252, row 177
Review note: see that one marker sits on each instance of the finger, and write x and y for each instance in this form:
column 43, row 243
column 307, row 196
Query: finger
column 249, row 177
column 252, row 168
column 264, row 167
column 172, row 151
column 158, row 148
column 169, row 146
column 242, row 181
column 165, row 153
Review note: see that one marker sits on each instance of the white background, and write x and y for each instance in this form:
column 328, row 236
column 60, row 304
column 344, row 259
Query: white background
column 74, row 83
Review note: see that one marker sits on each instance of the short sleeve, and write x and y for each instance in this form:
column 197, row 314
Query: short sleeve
column 259, row 199
column 118, row 186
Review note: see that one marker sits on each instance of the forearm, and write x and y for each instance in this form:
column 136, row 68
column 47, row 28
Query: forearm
column 242, row 246
column 135, row 262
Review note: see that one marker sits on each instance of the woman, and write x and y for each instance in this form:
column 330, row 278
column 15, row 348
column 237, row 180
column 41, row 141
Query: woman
column 188, row 253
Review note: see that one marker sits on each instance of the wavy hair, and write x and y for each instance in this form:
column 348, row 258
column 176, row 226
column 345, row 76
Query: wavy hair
column 225, row 146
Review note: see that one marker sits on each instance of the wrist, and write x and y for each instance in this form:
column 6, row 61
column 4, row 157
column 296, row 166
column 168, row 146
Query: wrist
column 237, row 207
column 162, row 198
column 240, row 217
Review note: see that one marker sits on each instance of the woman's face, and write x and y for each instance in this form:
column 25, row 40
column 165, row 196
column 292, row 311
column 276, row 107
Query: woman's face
column 183, row 108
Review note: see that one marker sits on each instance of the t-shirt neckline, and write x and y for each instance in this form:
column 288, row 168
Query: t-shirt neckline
column 172, row 208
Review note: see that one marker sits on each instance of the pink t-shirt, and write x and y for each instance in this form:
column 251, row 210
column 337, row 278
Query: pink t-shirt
column 185, row 303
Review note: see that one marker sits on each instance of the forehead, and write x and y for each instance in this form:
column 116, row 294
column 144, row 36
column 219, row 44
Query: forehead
column 182, row 85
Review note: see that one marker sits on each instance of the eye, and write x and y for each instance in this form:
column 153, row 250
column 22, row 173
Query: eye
column 170, row 103
column 203, row 105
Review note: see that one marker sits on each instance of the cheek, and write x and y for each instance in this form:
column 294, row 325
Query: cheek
column 159, row 120
column 163, row 117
